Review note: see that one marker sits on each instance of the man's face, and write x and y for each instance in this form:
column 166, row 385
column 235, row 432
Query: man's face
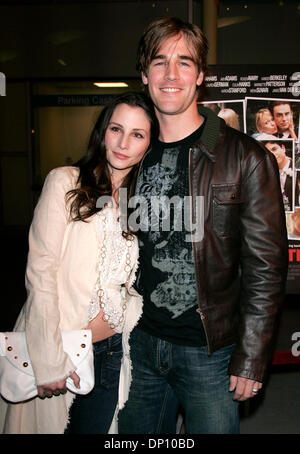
column 283, row 117
column 278, row 151
column 173, row 77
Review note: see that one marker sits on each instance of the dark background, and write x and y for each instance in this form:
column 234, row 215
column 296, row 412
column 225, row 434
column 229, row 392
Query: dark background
column 64, row 45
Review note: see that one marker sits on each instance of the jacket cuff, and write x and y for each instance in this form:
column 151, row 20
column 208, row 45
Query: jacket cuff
column 247, row 368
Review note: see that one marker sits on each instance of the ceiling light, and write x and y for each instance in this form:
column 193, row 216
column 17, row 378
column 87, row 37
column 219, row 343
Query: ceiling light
column 111, row 84
column 227, row 21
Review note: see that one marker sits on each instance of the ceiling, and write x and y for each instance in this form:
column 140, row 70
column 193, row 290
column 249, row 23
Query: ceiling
column 98, row 39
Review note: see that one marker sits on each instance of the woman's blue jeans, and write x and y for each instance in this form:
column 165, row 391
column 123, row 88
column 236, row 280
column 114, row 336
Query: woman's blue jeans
column 93, row 413
column 165, row 376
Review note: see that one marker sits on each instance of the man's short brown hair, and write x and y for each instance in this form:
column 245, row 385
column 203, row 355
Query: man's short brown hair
column 164, row 28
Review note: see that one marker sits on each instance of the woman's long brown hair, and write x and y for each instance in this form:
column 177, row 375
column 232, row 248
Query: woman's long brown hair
column 94, row 177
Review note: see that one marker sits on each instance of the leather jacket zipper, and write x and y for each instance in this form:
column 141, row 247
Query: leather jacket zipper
column 202, row 315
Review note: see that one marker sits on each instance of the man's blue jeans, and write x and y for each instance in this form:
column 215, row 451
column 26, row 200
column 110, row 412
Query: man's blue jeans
column 165, row 376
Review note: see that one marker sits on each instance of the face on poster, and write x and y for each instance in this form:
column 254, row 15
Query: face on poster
column 284, row 152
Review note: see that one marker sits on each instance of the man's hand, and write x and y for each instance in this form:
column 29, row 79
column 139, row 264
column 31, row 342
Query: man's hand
column 58, row 387
column 244, row 387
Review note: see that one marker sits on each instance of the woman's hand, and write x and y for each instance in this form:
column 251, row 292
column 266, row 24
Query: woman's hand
column 292, row 132
column 58, row 387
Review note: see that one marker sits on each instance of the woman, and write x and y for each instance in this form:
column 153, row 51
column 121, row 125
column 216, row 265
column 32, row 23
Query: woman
column 80, row 271
column 265, row 125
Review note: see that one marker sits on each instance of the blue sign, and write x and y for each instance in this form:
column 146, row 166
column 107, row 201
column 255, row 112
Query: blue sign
column 71, row 100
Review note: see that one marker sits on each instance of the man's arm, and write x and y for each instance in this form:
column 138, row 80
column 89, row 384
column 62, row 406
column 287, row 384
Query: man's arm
column 264, row 267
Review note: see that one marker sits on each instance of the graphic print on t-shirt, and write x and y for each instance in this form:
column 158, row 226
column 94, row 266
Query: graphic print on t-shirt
column 172, row 258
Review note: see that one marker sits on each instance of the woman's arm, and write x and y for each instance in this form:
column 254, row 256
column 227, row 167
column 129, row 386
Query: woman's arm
column 49, row 361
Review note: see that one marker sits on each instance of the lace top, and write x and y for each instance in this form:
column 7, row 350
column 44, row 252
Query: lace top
column 117, row 261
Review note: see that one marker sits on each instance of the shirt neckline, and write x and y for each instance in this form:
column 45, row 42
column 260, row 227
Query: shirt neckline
column 191, row 138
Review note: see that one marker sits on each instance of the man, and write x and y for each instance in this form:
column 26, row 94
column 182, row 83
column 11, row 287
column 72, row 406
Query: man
column 205, row 337
column 283, row 117
column 285, row 172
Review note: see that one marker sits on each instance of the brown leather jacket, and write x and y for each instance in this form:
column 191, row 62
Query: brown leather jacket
column 241, row 263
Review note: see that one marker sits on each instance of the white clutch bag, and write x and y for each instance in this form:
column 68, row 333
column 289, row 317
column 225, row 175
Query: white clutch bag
column 17, row 380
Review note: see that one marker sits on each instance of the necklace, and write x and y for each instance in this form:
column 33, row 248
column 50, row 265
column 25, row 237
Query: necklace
column 110, row 314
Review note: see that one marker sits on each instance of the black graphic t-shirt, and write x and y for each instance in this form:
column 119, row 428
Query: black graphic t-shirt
column 167, row 278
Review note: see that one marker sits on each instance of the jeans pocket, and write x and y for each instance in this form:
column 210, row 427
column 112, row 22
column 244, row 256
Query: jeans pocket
column 110, row 369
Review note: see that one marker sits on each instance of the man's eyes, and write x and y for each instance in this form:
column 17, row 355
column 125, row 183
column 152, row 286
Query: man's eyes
column 161, row 63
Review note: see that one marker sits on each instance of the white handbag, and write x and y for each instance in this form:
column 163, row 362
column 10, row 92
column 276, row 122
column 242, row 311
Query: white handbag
column 17, row 380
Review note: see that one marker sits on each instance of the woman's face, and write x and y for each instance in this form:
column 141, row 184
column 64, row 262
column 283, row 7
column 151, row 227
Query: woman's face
column 267, row 123
column 127, row 137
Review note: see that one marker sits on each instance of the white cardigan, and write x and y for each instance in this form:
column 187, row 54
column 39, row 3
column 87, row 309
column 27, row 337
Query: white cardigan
column 60, row 277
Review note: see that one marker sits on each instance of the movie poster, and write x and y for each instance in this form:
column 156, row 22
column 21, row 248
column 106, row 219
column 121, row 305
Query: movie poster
column 264, row 102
